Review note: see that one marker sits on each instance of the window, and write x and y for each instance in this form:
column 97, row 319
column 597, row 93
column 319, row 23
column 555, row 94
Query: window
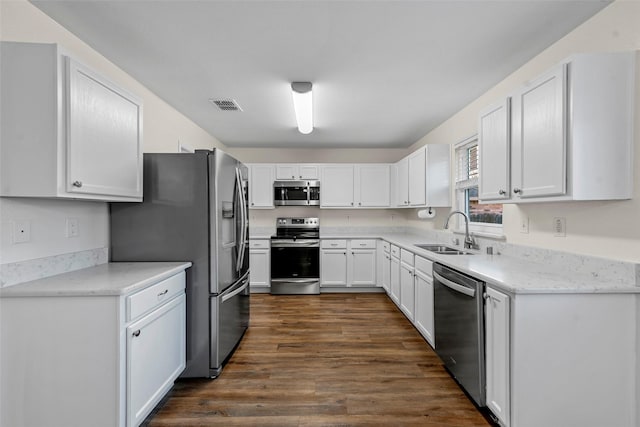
column 482, row 217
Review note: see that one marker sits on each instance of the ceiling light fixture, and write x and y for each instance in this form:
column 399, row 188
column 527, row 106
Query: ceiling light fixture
column 303, row 105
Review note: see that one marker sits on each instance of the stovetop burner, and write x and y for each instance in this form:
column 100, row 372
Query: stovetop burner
column 297, row 228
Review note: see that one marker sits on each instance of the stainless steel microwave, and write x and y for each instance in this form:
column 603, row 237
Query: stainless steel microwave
column 296, row 193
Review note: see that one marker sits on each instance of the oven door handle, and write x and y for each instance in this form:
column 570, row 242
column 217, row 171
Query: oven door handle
column 295, row 244
column 455, row 286
column 296, row 281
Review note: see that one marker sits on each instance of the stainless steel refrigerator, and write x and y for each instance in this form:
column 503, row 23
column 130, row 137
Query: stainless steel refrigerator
column 195, row 209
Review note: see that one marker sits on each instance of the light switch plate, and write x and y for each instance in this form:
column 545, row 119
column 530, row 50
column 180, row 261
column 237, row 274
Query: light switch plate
column 559, row 227
column 524, row 224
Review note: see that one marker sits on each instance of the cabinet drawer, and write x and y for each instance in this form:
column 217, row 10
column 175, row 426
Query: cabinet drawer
column 149, row 298
column 386, row 246
column 424, row 265
column 259, row 244
column 395, row 251
column 406, row 257
column 333, row 244
column 363, row 244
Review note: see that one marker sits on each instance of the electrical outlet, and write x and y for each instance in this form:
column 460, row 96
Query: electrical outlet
column 524, row 224
column 21, row 231
column 559, row 227
column 73, row 228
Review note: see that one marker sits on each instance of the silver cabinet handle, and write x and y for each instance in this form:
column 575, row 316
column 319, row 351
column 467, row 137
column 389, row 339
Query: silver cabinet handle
column 517, row 190
column 136, row 333
column 163, row 293
column 351, row 203
column 77, row 184
column 502, row 192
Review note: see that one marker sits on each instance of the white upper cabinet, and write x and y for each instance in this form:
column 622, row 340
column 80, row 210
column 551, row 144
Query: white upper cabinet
column 67, row 132
column 539, row 143
column 372, row 185
column 295, row 171
column 402, row 182
column 423, row 177
column 336, row 186
column 365, row 185
column 261, row 186
column 568, row 136
column 494, row 139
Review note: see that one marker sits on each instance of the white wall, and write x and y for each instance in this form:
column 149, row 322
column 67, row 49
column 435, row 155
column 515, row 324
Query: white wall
column 163, row 128
column 609, row 229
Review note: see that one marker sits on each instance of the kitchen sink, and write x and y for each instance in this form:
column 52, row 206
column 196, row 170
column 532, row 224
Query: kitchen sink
column 443, row 250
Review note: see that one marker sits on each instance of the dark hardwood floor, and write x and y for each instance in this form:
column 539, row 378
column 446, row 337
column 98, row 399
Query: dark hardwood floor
column 327, row 360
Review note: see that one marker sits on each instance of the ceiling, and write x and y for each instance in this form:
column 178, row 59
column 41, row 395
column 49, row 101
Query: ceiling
column 384, row 73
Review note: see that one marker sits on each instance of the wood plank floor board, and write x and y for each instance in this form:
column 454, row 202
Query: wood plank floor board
column 328, row 360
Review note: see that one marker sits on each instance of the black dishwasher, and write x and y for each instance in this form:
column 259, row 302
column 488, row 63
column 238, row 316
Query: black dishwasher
column 459, row 328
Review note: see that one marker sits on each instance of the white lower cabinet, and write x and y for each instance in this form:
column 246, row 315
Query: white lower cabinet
column 424, row 320
column 91, row 360
column 407, row 285
column 348, row 263
column 158, row 337
column 333, row 263
column 394, row 282
column 385, row 270
column 260, row 264
column 497, row 343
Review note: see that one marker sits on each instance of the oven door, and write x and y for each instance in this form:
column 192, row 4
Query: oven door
column 295, row 259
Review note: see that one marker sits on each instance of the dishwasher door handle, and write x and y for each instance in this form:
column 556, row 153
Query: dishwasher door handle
column 455, row 286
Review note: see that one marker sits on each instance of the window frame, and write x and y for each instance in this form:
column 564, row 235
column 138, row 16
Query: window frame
column 460, row 188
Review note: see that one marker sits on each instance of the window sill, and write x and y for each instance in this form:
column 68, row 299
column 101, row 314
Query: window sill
column 483, row 234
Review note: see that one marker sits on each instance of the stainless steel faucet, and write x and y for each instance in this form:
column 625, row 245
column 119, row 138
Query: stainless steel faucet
column 469, row 241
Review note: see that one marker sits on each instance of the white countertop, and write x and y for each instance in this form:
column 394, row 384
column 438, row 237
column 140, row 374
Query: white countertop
column 508, row 273
column 116, row 278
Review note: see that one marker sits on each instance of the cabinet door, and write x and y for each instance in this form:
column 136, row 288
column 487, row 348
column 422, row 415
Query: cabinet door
column 386, row 272
column 363, row 267
column 308, row 172
column 493, row 141
column 395, row 280
column 418, row 177
column 336, row 189
column 261, row 185
column 333, row 267
column 497, row 354
column 372, row 185
column 287, row 171
column 407, row 291
column 538, row 137
column 156, row 355
column 424, row 307
column 259, row 261
column 402, row 182
column 104, row 136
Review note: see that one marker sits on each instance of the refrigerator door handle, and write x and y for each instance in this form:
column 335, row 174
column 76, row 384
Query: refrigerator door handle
column 243, row 224
column 235, row 292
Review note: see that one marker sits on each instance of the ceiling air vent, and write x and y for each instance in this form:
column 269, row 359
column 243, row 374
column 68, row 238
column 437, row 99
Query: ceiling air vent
column 226, row 104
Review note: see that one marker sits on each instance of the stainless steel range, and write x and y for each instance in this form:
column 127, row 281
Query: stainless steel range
column 295, row 256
